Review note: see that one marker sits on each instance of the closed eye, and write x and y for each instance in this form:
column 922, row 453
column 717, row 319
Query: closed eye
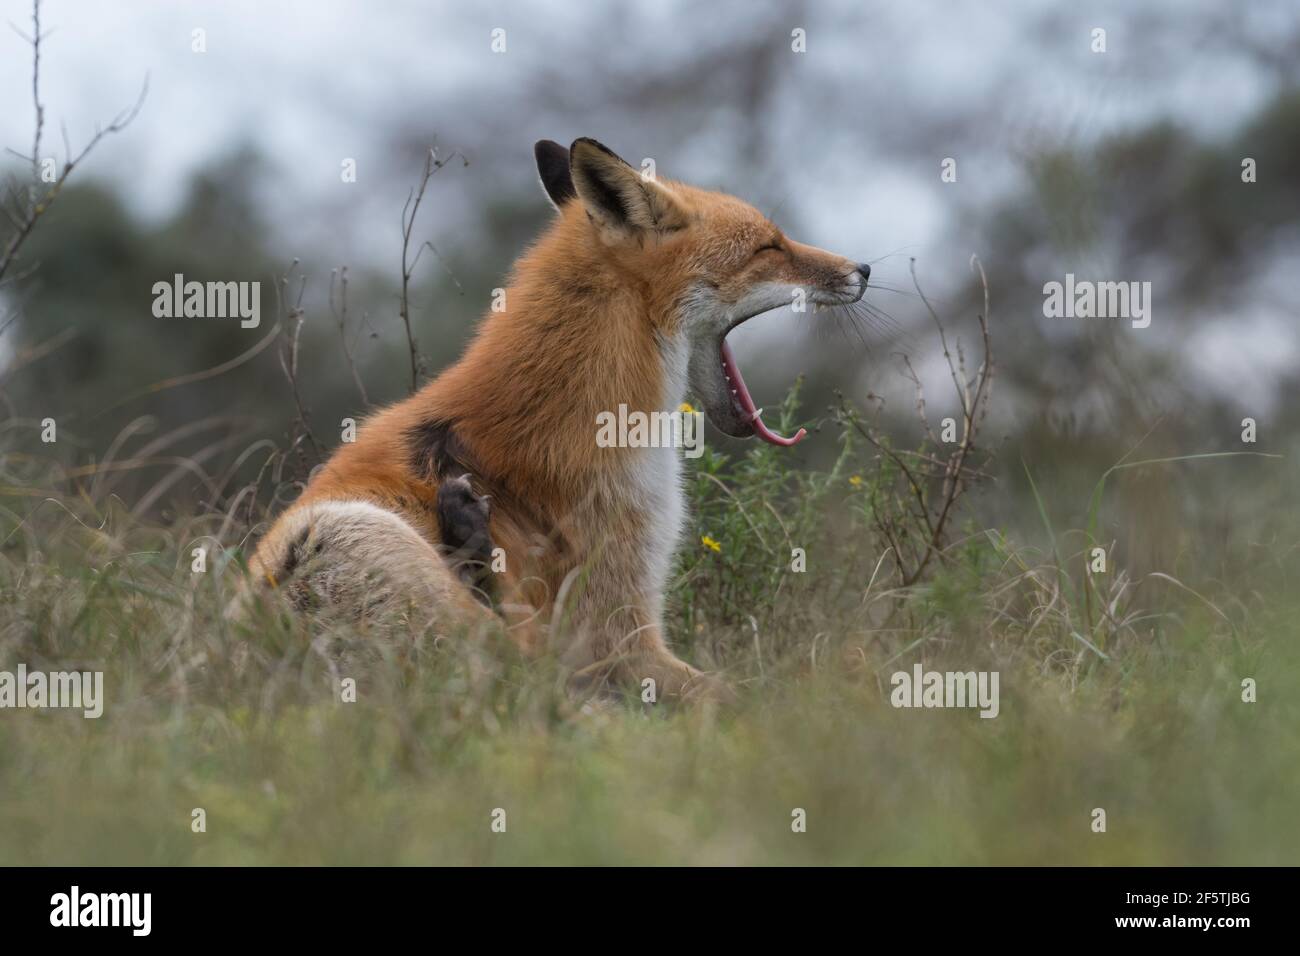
column 770, row 247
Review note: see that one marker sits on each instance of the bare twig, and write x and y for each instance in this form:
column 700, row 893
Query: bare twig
column 36, row 98
column 293, row 317
column 954, row 483
column 409, row 211
column 339, row 308
column 943, row 337
column 909, row 512
column 36, row 202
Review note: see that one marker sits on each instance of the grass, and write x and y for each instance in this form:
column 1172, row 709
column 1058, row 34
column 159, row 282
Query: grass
column 1119, row 690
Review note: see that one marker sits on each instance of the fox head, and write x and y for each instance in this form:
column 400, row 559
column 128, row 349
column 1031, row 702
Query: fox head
column 704, row 260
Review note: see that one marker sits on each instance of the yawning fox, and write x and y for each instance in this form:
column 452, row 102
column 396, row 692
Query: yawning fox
column 626, row 299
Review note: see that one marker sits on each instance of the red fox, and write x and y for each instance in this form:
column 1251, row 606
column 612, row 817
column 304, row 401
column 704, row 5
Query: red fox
column 626, row 299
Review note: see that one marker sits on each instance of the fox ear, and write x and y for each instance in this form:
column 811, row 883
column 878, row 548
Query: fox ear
column 553, row 168
column 616, row 196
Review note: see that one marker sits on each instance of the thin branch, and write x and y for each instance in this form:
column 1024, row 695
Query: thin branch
column 943, row 338
column 339, row 309
column 409, row 211
column 37, row 202
column 912, row 506
column 36, row 97
column 954, row 484
column 294, row 317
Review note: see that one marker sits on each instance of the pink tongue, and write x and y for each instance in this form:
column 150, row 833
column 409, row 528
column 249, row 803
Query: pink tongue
column 742, row 394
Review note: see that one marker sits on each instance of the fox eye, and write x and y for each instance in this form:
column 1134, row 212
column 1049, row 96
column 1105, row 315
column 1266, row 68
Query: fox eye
column 769, row 247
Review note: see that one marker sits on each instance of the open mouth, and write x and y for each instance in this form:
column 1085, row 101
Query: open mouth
column 744, row 406
column 731, row 408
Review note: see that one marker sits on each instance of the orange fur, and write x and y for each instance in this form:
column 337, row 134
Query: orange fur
column 591, row 313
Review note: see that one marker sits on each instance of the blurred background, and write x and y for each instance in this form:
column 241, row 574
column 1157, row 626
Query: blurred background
column 1122, row 165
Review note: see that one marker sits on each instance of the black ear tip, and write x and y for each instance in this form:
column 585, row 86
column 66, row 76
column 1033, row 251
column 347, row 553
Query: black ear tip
column 553, row 168
column 545, row 148
column 596, row 144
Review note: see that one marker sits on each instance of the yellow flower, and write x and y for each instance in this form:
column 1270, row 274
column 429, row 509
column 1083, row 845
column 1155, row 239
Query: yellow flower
column 686, row 408
column 710, row 543
column 856, row 481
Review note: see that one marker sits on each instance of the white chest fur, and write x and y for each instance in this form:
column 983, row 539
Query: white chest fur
column 654, row 480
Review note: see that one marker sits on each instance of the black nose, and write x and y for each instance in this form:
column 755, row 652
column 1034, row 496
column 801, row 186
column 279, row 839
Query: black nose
column 865, row 270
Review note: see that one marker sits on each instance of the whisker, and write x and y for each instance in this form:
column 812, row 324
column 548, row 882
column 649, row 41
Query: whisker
column 911, row 293
column 897, row 252
column 858, row 329
column 873, row 315
column 845, row 312
column 887, row 288
column 900, row 292
column 839, row 324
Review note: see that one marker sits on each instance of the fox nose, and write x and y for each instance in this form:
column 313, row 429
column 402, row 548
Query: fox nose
column 864, row 270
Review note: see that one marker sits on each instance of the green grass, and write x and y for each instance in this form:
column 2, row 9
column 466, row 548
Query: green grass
column 1119, row 690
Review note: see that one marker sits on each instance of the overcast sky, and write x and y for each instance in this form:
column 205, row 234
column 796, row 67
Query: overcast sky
column 310, row 82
